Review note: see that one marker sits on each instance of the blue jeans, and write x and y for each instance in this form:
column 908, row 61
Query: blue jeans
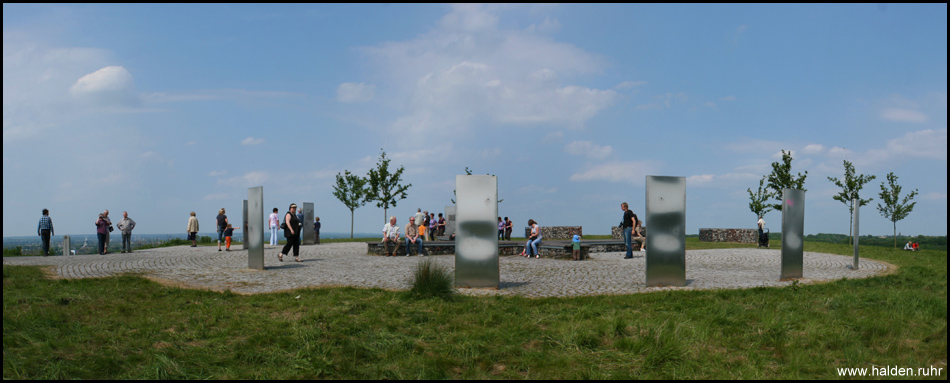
column 532, row 246
column 627, row 232
column 409, row 246
column 102, row 242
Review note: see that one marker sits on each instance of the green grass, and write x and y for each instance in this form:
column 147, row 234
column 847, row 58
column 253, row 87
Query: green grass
column 130, row 328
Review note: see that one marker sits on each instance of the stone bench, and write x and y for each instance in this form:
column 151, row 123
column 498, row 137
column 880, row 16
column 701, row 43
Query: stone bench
column 557, row 232
column 729, row 235
column 548, row 249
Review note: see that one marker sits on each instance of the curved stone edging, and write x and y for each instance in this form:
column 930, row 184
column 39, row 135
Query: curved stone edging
column 346, row 264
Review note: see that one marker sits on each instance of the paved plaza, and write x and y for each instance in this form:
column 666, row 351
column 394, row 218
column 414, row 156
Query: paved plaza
column 346, row 264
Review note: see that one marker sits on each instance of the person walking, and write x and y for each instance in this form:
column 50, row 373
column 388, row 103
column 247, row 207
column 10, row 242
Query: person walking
column 274, row 220
column 192, row 230
column 291, row 228
column 102, row 228
column 222, row 221
column 441, row 225
column 45, row 230
column 433, row 226
column 125, row 226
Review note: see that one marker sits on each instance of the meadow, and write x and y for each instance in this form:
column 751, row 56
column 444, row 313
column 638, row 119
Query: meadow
column 131, row 328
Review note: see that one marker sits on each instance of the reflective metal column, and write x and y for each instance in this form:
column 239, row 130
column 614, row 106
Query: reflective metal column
column 666, row 240
column 793, row 232
column 244, row 228
column 254, row 239
column 857, row 206
column 476, row 239
column 306, row 234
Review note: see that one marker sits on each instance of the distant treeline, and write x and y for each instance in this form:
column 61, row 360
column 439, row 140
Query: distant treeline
column 926, row 242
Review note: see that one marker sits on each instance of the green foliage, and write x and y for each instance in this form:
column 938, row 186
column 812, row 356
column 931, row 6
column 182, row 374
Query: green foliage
column 851, row 190
column 895, row 208
column 204, row 239
column 14, row 252
column 384, row 187
column 926, row 242
column 431, row 280
column 352, row 191
column 758, row 200
column 782, row 178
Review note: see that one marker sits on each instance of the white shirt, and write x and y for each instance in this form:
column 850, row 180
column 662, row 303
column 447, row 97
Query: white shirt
column 391, row 231
column 274, row 220
column 761, row 223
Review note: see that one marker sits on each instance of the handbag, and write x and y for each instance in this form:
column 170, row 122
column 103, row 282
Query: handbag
column 110, row 228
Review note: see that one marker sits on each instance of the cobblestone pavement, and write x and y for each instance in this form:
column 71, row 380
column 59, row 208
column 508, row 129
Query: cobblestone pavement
column 346, row 264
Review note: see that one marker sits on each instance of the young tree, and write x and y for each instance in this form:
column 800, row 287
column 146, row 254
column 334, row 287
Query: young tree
column 782, row 178
column 351, row 190
column 384, row 187
column 758, row 199
column 892, row 209
column 850, row 190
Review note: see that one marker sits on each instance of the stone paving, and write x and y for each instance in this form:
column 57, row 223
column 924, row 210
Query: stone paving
column 346, row 264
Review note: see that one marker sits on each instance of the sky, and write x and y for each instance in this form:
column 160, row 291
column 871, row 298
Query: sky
column 161, row 110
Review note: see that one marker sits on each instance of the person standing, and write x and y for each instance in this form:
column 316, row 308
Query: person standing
column 192, row 230
column 222, row 221
column 441, row 225
column 509, row 226
column 292, row 232
column 102, row 228
column 627, row 223
column 501, row 228
column 419, row 217
column 125, row 226
column 316, row 229
column 391, row 236
column 761, row 225
column 433, row 226
column 108, row 231
column 274, row 220
column 45, row 230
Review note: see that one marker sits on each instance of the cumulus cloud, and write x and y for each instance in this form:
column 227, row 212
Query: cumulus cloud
column 632, row 172
column 589, row 149
column 249, row 179
column 814, row 149
column 353, row 92
column 252, row 141
column 903, row 115
column 925, row 144
column 469, row 71
column 108, row 86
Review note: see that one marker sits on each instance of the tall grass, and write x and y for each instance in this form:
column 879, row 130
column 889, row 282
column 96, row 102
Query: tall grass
column 432, row 280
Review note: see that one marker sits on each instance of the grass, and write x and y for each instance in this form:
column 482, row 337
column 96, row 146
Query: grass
column 128, row 327
column 432, row 280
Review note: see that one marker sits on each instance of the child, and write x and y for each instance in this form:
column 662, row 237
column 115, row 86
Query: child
column 577, row 247
column 227, row 237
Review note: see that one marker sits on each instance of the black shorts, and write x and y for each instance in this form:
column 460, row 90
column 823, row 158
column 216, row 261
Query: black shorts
column 191, row 236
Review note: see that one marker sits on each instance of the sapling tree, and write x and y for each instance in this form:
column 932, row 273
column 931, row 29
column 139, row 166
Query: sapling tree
column 384, row 187
column 850, row 190
column 782, row 178
column 895, row 208
column 352, row 191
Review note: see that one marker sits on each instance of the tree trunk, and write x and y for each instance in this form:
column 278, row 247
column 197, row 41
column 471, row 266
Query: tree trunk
column 895, row 234
column 351, row 223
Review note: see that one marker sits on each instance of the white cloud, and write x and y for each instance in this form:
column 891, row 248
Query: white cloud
column 589, row 149
column 249, row 179
column 553, row 137
column 728, row 98
column 934, row 196
column 470, row 72
column 632, row 172
column 353, row 92
column 925, row 143
column 252, row 141
column 215, row 173
column 216, row 196
column 814, row 149
column 903, row 115
column 112, row 85
column 629, row 85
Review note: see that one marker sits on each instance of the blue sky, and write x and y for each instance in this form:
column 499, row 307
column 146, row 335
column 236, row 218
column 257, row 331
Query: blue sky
column 161, row 110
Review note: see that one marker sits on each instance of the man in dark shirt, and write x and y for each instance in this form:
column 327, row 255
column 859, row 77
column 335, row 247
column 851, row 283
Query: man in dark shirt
column 626, row 225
